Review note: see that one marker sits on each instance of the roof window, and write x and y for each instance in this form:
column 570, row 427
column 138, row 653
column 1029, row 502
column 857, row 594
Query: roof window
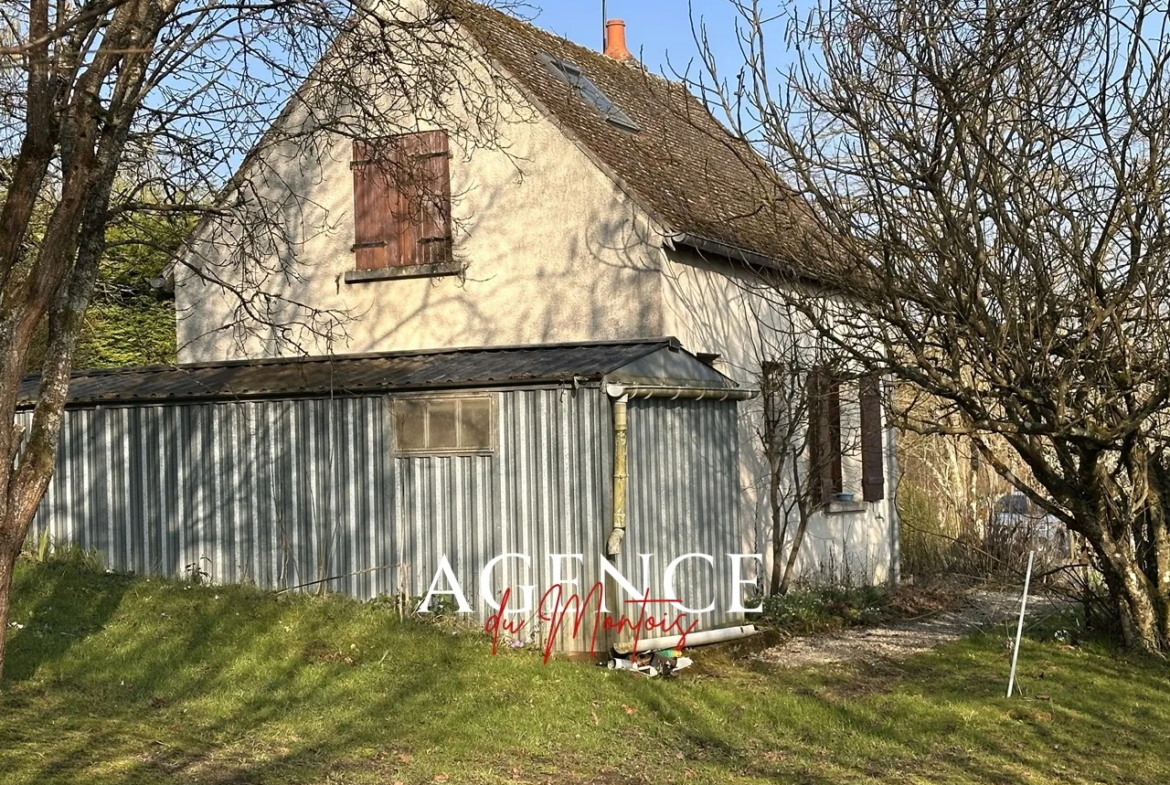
column 571, row 75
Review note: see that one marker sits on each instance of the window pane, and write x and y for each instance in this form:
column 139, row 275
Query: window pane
column 570, row 74
column 476, row 424
column 411, row 424
column 442, row 422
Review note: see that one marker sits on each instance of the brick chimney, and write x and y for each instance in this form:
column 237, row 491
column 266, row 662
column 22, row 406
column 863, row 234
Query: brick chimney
column 615, row 40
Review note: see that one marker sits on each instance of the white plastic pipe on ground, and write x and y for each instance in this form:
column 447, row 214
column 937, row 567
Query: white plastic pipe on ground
column 694, row 639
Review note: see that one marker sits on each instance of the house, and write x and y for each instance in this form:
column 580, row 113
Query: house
column 501, row 313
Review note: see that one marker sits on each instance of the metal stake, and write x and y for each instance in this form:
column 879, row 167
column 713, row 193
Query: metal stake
column 604, row 29
column 1020, row 626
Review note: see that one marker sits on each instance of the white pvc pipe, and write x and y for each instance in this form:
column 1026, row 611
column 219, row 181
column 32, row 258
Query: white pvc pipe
column 694, row 639
column 1020, row 626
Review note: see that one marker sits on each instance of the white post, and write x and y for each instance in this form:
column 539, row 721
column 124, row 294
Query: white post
column 1020, row 626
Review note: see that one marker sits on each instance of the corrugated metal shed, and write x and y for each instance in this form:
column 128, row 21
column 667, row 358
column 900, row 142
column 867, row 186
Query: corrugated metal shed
column 363, row 374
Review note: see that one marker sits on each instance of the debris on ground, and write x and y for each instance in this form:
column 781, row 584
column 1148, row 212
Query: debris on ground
column 651, row 664
column 721, row 635
column 663, row 656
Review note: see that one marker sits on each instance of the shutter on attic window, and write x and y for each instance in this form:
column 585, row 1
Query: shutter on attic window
column 873, row 480
column 433, row 244
column 402, row 202
column 373, row 205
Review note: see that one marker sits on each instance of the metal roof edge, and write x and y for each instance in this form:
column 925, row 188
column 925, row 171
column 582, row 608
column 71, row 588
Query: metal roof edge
column 372, row 392
column 667, row 340
column 315, row 376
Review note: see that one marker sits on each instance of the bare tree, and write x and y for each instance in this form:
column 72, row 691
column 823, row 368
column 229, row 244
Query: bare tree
column 801, row 434
column 120, row 107
column 988, row 183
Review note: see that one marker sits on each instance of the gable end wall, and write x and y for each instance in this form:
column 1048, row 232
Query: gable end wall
column 554, row 252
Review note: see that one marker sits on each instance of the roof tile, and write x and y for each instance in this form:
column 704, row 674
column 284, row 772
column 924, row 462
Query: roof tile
column 683, row 165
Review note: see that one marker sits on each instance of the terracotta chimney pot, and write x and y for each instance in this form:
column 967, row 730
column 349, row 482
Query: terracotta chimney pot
column 615, row 40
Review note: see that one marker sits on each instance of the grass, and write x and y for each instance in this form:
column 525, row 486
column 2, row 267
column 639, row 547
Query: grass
column 115, row 679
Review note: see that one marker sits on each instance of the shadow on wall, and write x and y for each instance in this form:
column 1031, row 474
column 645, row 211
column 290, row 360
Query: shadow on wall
column 553, row 253
column 715, row 306
column 218, row 492
column 604, row 287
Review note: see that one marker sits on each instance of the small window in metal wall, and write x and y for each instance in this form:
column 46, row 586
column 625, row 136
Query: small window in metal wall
column 444, row 425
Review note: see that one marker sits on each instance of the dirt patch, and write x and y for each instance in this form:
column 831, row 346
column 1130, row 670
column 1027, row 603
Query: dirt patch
column 911, row 602
column 901, row 639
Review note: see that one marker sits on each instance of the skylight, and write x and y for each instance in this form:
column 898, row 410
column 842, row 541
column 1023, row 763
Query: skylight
column 571, row 75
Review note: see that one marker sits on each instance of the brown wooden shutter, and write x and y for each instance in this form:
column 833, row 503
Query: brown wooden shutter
column 422, row 212
column 434, row 231
column 374, row 198
column 873, row 475
column 819, row 439
column 402, row 201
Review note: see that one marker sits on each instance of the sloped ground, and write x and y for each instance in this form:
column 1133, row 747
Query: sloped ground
column 992, row 612
column 118, row 680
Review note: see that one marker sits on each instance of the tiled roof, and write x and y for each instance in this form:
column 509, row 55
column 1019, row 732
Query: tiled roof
column 683, row 165
column 358, row 374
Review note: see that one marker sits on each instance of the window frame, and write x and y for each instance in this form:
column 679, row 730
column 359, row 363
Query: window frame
column 398, row 402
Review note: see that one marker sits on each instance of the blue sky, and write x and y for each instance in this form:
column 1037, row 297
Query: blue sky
column 653, row 27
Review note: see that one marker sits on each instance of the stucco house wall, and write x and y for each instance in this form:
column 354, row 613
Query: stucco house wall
column 714, row 307
column 554, row 252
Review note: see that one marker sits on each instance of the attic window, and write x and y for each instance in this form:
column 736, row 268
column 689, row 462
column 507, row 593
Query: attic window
column 571, row 75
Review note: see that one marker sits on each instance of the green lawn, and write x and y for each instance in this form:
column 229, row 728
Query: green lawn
column 126, row 680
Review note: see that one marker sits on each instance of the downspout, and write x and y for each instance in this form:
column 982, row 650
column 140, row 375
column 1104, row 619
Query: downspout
column 613, row 545
column 621, row 395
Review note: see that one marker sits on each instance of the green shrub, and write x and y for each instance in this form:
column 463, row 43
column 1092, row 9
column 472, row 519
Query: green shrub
column 823, row 609
column 931, row 545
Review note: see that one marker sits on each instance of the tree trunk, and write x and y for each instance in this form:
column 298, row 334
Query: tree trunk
column 797, row 542
column 779, row 526
column 1138, row 616
column 8, row 554
column 1138, row 603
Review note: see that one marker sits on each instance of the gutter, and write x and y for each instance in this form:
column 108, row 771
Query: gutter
column 683, row 393
column 733, row 252
column 621, row 395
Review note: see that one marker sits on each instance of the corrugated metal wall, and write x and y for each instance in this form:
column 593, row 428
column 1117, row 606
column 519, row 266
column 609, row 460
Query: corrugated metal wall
column 287, row 492
column 684, row 488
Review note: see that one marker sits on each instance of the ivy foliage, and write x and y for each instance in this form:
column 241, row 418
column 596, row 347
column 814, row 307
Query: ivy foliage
column 131, row 318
